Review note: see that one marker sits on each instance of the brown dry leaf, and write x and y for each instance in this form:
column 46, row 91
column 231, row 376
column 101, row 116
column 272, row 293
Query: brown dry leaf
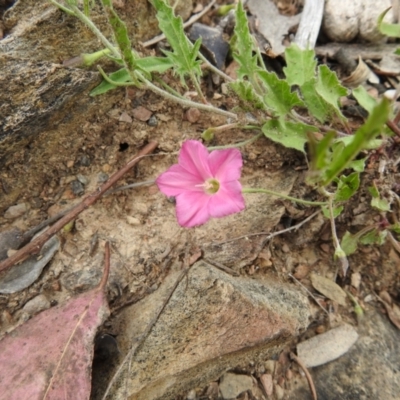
column 50, row 356
column 329, row 289
column 392, row 309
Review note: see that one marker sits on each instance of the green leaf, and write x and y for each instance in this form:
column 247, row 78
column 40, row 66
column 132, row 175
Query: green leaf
column 329, row 88
column 374, row 237
column 358, row 165
column 392, row 30
column 149, row 64
column 121, row 76
column 371, row 145
column 336, row 211
column 300, row 65
column 364, row 99
column 347, row 186
column 279, row 97
column 245, row 90
column 243, row 45
column 364, row 134
column 184, row 54
column 395, row 227
column 289, row 134
column 320, row 151
column 373, row 192
column 316, row 105
column 349, row 243
column 380, row 204
column 121, row 36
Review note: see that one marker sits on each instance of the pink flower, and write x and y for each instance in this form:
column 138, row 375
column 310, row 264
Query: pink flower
column 204, row 184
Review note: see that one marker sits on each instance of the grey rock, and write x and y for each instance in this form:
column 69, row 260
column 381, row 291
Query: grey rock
column 212, row 323
column 77, row 188
column 23, row 275
column 232, row 385
column 368, row 371
column 37, row 304
column 10, row 239
column 152, row 121
column 15, row 211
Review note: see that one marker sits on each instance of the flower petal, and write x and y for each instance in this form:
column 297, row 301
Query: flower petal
column 192, row 208
column 228, row 200
column 177, row 180
column 193, row 157
column 225, row 165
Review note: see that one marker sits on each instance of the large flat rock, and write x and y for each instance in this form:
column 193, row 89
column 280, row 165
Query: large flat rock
column 213, row 322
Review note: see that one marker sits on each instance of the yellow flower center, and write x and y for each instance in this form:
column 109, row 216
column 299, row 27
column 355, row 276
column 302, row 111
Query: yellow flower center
column 211, row 186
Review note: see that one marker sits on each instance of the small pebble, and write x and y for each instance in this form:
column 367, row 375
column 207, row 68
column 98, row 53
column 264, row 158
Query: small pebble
column 279, row 392
column 152, row 121
column 141, row 113
column 77, row 188
column 106, row 168
column 132, row 220
column 193, row 115
column 285, row 248
column 83, row 161
column 191, row 395
column 102, row 177
column 124, row 117
column 36, row 202
column 37, row 304
column 15, row 211
column 325, row 247
column 270, row 366
column 232, row 385
column 82, row 179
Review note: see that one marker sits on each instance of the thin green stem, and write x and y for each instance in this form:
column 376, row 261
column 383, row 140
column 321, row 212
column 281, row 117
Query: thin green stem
column 167, row 87
column 240, row 144
column 184, row 102
column 62, row 8
column 339, row 252
column 271, row 192
column 79, row 14
column 198, row 88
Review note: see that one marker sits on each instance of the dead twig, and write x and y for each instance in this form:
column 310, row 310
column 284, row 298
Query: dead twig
column 221, row 267
column 308, row 376
column 393, row 127
column 271, row 235
column 35, row 246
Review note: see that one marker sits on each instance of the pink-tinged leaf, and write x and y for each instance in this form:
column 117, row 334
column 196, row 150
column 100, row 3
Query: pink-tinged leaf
column 50, row 356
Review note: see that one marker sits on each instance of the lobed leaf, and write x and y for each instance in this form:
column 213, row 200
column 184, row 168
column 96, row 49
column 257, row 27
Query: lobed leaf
column 184, row 54
column 347, row 186
column 279, row 97
column 330, row 89
column 243, row 46
column 301, row 65
column 365, row 100
column 289, row 134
